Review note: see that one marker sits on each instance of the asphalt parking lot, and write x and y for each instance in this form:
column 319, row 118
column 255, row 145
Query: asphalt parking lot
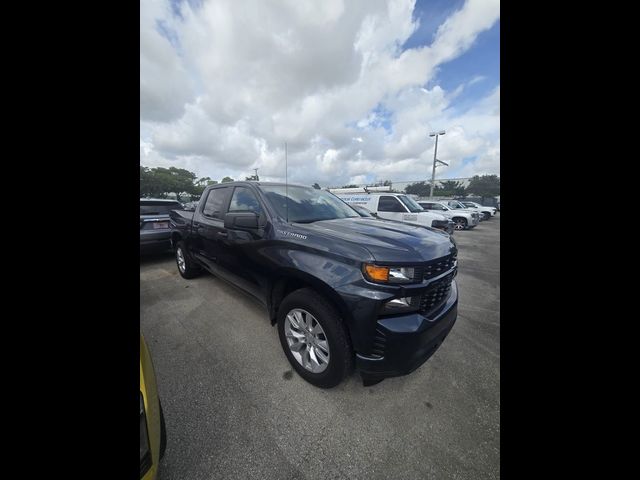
column 235, row 409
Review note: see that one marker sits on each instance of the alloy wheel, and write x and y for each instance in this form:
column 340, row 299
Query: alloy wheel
column 307, row 341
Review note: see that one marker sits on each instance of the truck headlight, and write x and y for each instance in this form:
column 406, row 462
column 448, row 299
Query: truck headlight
column 384, row 274
column 145, row 450
column 440, row 223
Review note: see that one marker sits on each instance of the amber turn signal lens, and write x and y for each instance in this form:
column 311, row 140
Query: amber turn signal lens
column 377, row 274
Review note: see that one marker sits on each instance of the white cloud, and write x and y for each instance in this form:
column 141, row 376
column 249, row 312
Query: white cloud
column 242, row 78
column 165, row 86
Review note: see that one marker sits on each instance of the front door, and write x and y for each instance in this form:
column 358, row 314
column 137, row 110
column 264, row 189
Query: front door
column 391, row 208
column 239, row 255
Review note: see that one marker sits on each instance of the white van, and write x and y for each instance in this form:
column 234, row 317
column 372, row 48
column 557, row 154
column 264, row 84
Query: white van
column 395, row 206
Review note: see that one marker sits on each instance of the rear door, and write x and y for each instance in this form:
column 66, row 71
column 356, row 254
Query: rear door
column 208, row 226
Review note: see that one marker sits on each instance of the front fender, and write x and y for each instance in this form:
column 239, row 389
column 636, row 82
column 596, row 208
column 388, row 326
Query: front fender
column 329, row 276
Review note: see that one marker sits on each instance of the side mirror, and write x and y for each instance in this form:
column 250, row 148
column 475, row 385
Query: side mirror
column 241, row 221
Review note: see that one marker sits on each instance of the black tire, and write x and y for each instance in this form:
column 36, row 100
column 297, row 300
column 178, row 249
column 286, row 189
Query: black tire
column 460, row 223
column 163, row 432
column 486, row 215
column 191, row 269
column 340, row 351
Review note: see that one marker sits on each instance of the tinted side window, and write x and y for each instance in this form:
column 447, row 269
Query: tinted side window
column 215, row 202
column 390, row 204
column 426, row 206
column 243, row 200
column 437, row 206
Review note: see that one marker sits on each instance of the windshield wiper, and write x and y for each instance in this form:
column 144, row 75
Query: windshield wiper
column 312, row 220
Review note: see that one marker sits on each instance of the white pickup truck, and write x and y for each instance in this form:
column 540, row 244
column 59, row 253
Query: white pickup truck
column 394, row 206
column 463, row 218
column 488, row 212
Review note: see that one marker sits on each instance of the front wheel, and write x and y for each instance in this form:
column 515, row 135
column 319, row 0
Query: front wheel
column 460, row 223
column 314, row 339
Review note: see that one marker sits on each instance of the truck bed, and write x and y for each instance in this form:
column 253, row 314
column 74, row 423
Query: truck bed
column 181, row 219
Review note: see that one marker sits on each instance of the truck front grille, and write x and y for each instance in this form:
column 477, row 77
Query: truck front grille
column 437, row 267
column 437, row 295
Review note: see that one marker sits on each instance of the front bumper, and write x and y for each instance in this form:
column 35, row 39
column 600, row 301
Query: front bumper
column 408, row 341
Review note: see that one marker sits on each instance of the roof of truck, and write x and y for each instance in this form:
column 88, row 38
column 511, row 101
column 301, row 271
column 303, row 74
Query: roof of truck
column 254, row 182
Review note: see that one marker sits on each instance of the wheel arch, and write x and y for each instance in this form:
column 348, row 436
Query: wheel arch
column 288, row 281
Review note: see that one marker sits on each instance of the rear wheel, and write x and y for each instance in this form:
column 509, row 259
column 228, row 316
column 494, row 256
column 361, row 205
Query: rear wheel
column 314, row 339
column 460, row 223
column 486, row 215
column 186, row 265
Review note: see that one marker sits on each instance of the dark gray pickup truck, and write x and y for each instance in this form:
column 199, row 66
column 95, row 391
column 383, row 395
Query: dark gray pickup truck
column 344, row 290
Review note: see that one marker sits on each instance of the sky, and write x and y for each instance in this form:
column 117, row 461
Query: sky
column 352, row 86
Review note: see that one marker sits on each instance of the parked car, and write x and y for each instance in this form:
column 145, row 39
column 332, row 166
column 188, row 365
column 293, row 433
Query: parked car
column 344, row 290
column 153, row 432
column 463, row 219
column 155, row 232
column 459, row 206
column 394, row 206
column 449, row 228
column 487, row 212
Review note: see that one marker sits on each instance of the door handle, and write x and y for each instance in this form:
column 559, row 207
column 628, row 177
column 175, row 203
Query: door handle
column 223, row 234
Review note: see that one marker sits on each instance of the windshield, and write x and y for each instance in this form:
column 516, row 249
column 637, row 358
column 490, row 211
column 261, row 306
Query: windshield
column 306, row 204
column 411, row 204
column 456, row 204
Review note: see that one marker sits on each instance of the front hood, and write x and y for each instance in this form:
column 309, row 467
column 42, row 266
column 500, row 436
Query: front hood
column 430, row 215
column 388, row 241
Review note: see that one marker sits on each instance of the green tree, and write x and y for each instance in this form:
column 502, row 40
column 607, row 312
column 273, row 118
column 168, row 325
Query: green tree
column 146, row 182
column 422, row 189
column 316, row 186
column 449, row 188
column 204, row 181
column 484, row 186
column 160, row 181
column 227, row 179
column 349, row 186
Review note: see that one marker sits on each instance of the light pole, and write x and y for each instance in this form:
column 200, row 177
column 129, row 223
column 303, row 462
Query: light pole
column 435, row 152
